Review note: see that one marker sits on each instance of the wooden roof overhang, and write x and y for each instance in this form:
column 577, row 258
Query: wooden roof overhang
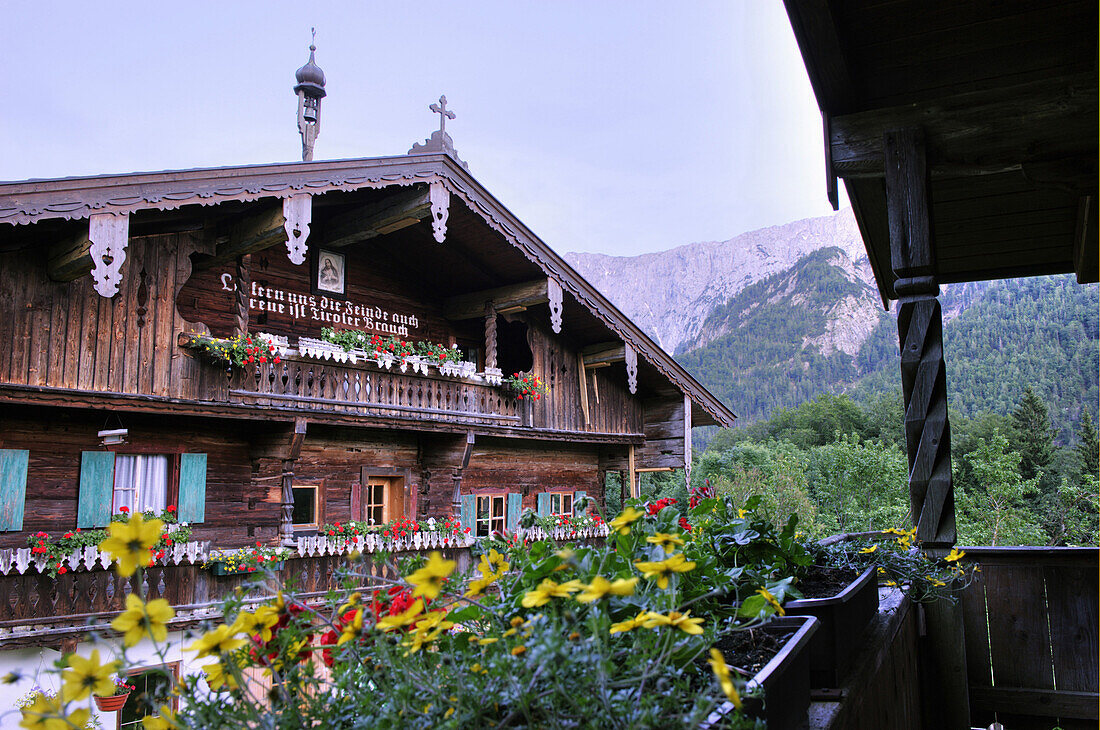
column 1005, row 95
column 486, row 246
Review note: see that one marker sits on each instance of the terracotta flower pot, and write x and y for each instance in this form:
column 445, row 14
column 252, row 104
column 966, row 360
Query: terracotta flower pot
column 113, row 703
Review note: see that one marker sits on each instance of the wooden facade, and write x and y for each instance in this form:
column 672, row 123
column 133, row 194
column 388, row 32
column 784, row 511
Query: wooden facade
column 221, row 252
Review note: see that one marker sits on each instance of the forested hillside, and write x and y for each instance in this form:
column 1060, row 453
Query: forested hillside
column 1041, row 332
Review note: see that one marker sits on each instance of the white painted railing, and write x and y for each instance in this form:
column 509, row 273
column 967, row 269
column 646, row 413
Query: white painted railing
column 564, row 534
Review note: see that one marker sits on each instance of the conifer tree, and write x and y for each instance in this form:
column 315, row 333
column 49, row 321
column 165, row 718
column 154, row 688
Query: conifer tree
column 1088, row 446
column 1034, row 436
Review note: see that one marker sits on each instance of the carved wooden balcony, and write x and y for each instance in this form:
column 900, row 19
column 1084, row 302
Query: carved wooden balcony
column 366, row 390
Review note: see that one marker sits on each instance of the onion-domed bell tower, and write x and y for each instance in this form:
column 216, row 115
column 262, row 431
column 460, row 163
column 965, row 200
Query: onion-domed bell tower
column 310, row 90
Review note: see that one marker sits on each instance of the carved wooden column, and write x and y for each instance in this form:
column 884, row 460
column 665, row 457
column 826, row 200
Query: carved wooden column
column 490, row 335
column 924, row 384
column 244, row 285
column 920, row 334
column 286, row 523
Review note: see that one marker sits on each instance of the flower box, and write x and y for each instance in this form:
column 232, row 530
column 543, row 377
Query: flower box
column 217, row 567
column 843, row 618
column 493, row 376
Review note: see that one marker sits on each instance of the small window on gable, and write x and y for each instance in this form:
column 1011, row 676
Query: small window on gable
column 141, row 483
column 490, row 514
column 305, row 506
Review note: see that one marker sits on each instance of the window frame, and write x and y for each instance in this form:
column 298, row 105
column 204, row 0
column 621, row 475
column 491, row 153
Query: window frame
column 317, row 522
column 172, row 482
column 561, row 496
column 491, row 518
column 172, row 668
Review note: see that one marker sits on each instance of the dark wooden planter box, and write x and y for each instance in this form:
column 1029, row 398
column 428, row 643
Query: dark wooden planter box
column 220, row 568
column 843, row 618
column 785, row 679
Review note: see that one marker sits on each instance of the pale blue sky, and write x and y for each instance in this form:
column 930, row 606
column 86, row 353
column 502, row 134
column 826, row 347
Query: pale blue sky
column 619, row 127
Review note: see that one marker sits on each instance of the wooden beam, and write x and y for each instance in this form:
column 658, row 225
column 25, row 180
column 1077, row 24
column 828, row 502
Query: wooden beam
column 1086, row 243
column 978, row 132
column 395, row 212
column 254, row 233
column 583, row 382
column 651, row 469
column 469, row 306
column 603, row 354
column 1030, row 701
column 687, row 442
column 632, row 472
column 69, row 260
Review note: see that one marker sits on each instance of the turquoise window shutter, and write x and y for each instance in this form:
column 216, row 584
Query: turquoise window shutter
column 576, row 496
column 544, row 504
column 192, row 492
column 13, row 487
column 515, row 506
column 468, row 507
column 97, row 487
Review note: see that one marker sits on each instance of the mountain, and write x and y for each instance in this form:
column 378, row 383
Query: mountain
column 670, row 294
column 774, row 317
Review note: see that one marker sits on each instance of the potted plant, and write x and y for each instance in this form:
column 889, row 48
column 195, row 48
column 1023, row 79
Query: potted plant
column 526, row 386
column 247, row 560
column 115, row 702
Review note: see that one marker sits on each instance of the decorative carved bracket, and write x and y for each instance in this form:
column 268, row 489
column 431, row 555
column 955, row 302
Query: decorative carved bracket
column 109, row 234
column 631, row 357
column 553, row 291
column 297, row 209
column 440, row 199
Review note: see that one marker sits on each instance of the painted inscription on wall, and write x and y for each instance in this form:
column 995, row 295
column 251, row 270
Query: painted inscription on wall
column 329, row 312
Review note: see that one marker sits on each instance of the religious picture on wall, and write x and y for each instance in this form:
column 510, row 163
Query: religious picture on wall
column 328, row 276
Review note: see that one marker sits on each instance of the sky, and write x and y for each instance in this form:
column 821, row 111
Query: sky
column 617, row 126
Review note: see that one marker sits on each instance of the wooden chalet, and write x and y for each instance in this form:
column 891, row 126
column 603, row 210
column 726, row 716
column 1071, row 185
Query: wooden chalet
column 105, row 281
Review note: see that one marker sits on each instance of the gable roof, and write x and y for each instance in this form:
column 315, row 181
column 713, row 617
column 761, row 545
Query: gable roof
column 74, row 198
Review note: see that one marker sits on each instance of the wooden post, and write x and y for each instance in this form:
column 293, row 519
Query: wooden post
column 924, row 386
column 244, row 284
column 687, row 442
column 456, row 477
column 490, row 335
column 635, row 488
column 920, row 334
column 583, row 384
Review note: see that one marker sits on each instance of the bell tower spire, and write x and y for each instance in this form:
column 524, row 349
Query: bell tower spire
column 310, row 90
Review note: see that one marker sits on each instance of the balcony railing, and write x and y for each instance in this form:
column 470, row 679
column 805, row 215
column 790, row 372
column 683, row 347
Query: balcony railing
column 366, row 390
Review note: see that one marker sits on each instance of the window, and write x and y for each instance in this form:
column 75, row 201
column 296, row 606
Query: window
column 561, row 504
column 141, row 483
column 374, row 503
column 490, row 515
column 305, row 506
column 152, row 688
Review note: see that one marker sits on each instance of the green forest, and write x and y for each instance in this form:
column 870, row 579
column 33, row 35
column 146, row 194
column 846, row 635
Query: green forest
column 822, row 436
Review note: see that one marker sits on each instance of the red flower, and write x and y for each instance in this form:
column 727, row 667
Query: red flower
column 61, row 569
column 171, row 508
column 123, row 510
column 68, row 534
column 685, row 525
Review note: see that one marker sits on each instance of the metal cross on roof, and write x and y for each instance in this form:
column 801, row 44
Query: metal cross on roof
column 444, row 115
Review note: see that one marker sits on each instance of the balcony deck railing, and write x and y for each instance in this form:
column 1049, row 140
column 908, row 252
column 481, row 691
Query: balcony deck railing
column 361, row 389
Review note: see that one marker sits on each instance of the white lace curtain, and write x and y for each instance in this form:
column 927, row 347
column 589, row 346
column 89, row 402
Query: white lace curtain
column 141, row 483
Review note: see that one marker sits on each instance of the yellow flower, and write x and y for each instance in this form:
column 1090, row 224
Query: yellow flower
column 621, row 524
column 772, row 600
column 219, row 641
column 257, row 625
column 493, row 565
column 660, row 570
column 352, row 602
column 217, row 677
column 668, row 542
column 741, row 514
column 630, row 624
column 426, row 632
column 722, row 671
column 478, row 585
column 954, row 555
column 488, row 640
column 165, row 720
column 600, row 587
column 47, row 713
column 88, row 676
column 935, row 581
column 683, row 621
column 130, row 542
column 549, row 589
column 893, row 531
column 869, row 550
column 143, row 619
column 429, row 579
column 396, row 621
column 517, row 650
column 352, row 628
